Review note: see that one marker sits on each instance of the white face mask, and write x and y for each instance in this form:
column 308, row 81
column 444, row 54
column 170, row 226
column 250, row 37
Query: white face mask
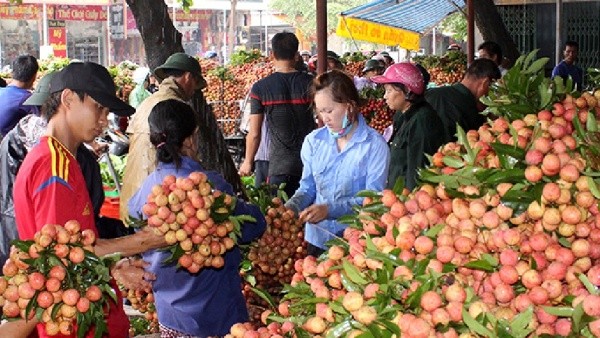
column 346, row 127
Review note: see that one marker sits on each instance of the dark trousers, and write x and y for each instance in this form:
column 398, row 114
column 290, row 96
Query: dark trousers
column 292, row 183
column 261, row 172
column 313, row 250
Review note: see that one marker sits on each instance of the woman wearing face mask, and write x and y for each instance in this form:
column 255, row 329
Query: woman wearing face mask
column 417, row 129
column 340, row 159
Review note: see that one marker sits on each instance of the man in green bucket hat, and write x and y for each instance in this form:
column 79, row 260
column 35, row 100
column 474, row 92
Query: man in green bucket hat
column 181, row 77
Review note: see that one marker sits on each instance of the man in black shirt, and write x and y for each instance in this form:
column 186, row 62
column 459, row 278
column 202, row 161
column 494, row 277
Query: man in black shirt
column 458, row 103
column 283, row 99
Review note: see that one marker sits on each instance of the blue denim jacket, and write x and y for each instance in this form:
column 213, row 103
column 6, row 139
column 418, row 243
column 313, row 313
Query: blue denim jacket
column 333, row 178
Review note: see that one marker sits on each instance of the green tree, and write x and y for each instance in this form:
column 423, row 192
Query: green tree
column 303, row 14
column 456, row 24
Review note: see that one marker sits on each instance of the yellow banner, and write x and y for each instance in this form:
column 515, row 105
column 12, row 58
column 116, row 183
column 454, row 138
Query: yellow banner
column 372, row 32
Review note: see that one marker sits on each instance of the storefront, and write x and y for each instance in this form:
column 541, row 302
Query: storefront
column 76, row 32
column 108, row 34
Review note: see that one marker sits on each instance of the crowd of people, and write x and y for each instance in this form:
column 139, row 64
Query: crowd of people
column 305, row 132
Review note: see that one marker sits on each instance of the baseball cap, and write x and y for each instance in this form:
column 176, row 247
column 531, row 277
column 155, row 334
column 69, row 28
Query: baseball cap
column 405, row 73
column 41, row 92
column 184, row 62
column 94, row 80
column 371, row 64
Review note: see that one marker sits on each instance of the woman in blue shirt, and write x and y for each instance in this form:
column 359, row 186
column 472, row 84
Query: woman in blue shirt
column 340, row 159
column 210, row 302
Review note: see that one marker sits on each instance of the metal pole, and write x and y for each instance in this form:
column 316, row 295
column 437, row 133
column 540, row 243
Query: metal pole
column 470, row 32
column 321, row 36
column 266, row 36
column 225, row 36
column 108, row 49
column 433, row 46
column 558, row 42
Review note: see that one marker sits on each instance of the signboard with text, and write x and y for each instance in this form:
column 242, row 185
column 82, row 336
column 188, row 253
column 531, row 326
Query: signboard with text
column 353, row 28
column 57, row 37
column 118, row 30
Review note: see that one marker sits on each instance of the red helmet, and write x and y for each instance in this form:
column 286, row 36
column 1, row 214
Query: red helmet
column 405, row 73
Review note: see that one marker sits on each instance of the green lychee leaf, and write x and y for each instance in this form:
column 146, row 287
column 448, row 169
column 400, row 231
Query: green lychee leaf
column 480, row 264
column 559, row 311
column 476, row 326
column 353, row 273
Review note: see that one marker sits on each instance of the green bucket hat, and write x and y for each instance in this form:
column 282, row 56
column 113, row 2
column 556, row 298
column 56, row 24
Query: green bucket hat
column 41, row 92
column 184, row 62
column 371, row 64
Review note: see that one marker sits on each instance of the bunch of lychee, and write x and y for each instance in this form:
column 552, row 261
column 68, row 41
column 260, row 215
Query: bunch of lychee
column 273, row 256
column 143, row 302
column 57, row 279
column 193, row 217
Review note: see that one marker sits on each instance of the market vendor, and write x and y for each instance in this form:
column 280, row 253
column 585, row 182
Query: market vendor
column 181, row 76
column 340, row 159
column 417, row 130
column 209, row 302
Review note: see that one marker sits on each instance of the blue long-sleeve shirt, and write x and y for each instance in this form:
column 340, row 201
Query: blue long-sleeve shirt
column 12, row 108
column 333, row 177
column 210, row 302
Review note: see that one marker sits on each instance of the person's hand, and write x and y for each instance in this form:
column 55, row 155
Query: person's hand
column 98, row 147
column 314, row 214
column 245, row 169
column 131, row 274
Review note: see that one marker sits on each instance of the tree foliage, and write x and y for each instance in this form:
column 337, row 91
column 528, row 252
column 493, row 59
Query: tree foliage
column 456, row 24
column 303, row 14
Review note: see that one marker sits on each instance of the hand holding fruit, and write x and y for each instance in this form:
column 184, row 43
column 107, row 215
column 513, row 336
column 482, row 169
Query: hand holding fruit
column 314, row 213
column 132, row 275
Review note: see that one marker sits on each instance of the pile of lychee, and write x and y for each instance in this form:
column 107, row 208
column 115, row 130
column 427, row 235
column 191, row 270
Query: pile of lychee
column 57, row 279
column 194, row 218
column 472, row 258
column 273, row 256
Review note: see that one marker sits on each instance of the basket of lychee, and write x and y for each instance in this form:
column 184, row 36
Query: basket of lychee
column 57, row 279
column 197, row 221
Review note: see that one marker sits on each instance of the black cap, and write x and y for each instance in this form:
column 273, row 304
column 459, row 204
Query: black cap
column 94, row 80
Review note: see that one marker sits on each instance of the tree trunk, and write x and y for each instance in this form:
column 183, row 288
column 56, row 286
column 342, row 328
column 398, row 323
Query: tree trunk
column 492, row 28
column 161, row 40
column 160, row 37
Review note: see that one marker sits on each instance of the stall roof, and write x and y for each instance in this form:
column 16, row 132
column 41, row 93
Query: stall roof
column 413, row 15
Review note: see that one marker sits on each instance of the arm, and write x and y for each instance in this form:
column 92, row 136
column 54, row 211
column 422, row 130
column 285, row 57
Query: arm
column 143, row 240
column 18, row 328
column 417, row 147
column 250, row 230
column 252, row 143
column 377, row 170
column 255, row 122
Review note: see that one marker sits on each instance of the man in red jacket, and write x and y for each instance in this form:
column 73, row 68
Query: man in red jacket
column 50, row 187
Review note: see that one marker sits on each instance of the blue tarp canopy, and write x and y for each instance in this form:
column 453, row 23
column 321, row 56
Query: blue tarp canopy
column 413, row 15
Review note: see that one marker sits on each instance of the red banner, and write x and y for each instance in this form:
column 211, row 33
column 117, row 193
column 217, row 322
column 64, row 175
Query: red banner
column 57, row 37
column 20, row 12
column 56, row 12
column 80, row 13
